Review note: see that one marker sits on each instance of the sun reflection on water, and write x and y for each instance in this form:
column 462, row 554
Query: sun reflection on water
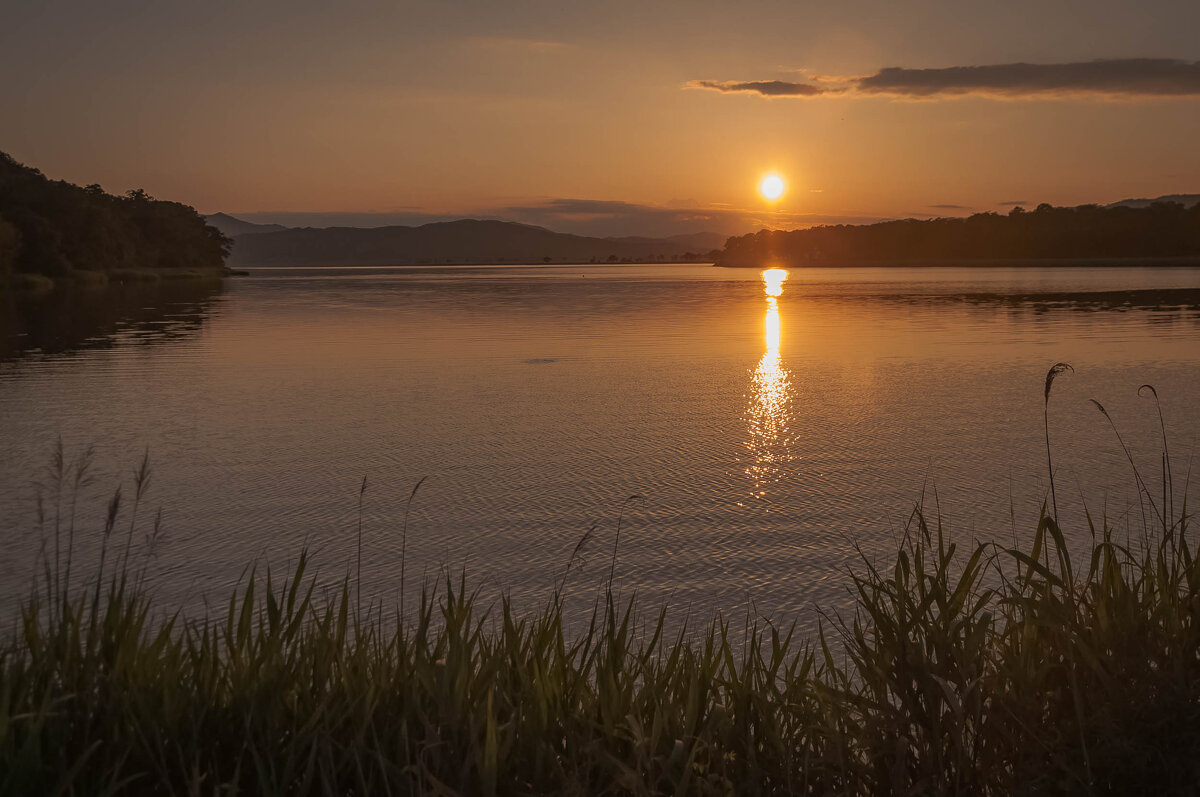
column 769, row 409
column 773, row 279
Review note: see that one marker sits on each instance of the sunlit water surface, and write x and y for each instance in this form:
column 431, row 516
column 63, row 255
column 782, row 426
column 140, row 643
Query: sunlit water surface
column 773, row 424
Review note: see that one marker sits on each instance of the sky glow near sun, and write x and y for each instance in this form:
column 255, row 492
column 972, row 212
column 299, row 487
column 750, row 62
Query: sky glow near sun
column 424, row 112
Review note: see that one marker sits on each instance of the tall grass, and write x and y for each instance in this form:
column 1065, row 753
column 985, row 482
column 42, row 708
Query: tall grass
column 1051, row 375
column 960, row 669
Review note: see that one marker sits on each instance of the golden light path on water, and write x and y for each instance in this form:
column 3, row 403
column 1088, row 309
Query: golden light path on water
column 769, row 410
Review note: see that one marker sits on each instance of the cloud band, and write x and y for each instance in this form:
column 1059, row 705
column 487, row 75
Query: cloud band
column 1120, row 78
column 767, row 88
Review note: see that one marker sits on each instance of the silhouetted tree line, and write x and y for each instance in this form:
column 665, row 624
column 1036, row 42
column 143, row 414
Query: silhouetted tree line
column 54, row 228
column 1164, row 229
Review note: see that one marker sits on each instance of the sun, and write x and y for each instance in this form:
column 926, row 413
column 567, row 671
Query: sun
column 772, row 187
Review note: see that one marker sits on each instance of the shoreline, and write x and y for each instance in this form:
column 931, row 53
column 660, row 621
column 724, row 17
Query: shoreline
column 1044, row 262
column 29, row 283
column 242, row 268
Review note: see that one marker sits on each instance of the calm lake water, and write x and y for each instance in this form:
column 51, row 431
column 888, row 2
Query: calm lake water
column 773, row 427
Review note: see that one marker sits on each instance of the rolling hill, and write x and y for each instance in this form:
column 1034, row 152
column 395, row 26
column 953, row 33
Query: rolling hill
column 462, row 242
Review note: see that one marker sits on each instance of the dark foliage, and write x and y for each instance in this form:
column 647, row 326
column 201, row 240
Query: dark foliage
column 54, row 228
column 1161, row 230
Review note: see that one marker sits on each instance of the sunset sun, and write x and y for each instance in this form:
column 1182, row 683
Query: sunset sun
column 772, row 187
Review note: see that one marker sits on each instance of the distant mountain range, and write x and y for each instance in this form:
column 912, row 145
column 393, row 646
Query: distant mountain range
column 476, row 241
column 462, row 242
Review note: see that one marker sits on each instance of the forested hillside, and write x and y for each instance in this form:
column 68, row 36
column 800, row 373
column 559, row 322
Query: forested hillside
column 1161, row 230
column 60, row 230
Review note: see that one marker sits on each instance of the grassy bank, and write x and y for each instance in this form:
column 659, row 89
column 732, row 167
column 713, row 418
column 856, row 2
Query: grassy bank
column 980, row 670
column 960, row 668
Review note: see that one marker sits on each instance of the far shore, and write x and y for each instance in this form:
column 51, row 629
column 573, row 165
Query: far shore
column 1046, row 262
column 22, row 282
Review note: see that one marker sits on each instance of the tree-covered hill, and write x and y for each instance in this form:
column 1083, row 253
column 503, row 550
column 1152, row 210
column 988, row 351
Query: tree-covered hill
column 1162, row 230
column 60, row 230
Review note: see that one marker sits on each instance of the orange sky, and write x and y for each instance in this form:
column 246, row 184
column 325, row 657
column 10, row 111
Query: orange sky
column 467, row 108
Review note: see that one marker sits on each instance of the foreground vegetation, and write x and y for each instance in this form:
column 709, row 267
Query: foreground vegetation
column 1000, row 671
column 1047, row 668
column 51, row 230
column 1051, row 680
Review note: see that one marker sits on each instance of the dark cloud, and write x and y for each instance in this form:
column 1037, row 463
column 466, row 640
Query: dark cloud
column 1014, row 203
column 1149, row 77
column 951, row 207
column 1109, row 78
column 767, row 88
column 404, row 218
column 589, row 207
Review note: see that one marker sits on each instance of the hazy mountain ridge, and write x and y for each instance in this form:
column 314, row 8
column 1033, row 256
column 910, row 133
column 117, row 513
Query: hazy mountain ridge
column 478, row 241
column 699, row 241
column 1186, row 200
column 461, row 242
column 233, row 226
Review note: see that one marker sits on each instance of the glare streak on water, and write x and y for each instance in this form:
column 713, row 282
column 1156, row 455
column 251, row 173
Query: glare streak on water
column 769, row 412
column 771, row 423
